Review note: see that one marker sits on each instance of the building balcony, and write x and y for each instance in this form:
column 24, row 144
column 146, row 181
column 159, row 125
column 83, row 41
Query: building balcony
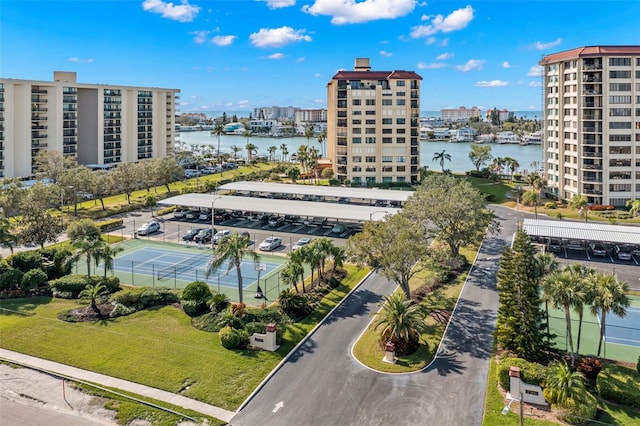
column 342, row 170
column 592, row 192
column 38, row 135
column 39, row 109
column 596, row 154
column 36, row 90
column 38, row 100
column 592, row 166
column 38, row 144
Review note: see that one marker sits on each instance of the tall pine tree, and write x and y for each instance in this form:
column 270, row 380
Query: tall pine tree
column 521, row 324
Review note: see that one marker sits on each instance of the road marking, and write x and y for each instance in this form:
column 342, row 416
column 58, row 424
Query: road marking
column 277, row 407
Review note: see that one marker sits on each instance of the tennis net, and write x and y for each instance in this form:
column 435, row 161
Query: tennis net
column 174, row 270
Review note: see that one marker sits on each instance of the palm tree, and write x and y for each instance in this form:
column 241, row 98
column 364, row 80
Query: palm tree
column 546, row 263
column 285, row 151
column 303, row 159
column 106, row 253
column 85, row 247
column 512, row 164
column 293, row 173
column 581, row 274
column 313, row 257
column 308, row 133
column 313, row 161
column 608, row 296
column 251, row 149
column 290, row 274
column 218, row 130
column 321, row 137
column 401, row 320
column 272, row 151
column 323, row 246
column 298, row 257
column 441, row 157
column 247, row 135
column 235, row 150
column 634, row 207
column 92, row 292
column 232, row 250
column 338, row 255
column 529, row 198
column 562, row 290
column 562, row 384
column 497, row 165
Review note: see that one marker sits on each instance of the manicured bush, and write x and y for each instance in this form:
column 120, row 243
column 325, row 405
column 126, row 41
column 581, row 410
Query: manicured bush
column 143, row 297
column 33, row 279
column 58, row 255
column 119, row 310
column 26, row 260
column 530, row 372
column 601, row 207
column 274, row 177
column 294, row 304
column 230, row 338
column 110, row 224
column 192, row 307
column 578, row 410
column 620, row 385
column 551, row 205
column 166, row 210
column 10, row 279
column 197, row 291
column 112, row 284
column 71, row 284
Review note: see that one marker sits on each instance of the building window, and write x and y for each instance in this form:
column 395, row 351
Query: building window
column 370, row 131
column 400, row 140
column 619, row 125
column 356, row 130
column 401, row 131
column 403, row 94
column 620, row 87
column 619, row 138
column 370, row 102
column 387, row 121
column 620, row 112
column 356, row 159
column 387, row 131
column 370, row 113
column 400, row 102
column 370, row 159
column 620, row 150
column 356, row 140
column 370, row 122
column 620, row 99
column 356, row 113
column 619, row 74
column 619, row 62
column 387, row 140
column 401, row 120
column 386, row 178
column 401, row 168
column 356, row 102
column 370, row 140
column 387, row 159
column 400, row 83
column 401, row 159
column 356, row 169
column 387, row 102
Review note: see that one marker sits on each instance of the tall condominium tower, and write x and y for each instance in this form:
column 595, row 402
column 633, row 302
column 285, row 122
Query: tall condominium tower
column 373, row 125
column 94, row 123
column 592, row 123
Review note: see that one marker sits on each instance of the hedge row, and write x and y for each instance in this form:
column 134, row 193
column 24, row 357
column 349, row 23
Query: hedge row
column 530, row 372
column 144, row 297
column 108, row 225
column 70, row 286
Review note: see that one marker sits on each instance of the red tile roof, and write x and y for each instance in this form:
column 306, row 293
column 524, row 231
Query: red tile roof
column 376, row 75
column 589, row 51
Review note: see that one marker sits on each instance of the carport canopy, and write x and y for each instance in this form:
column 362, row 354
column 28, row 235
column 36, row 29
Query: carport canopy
column 340, row 212
column 581, row 231
column 321, row 191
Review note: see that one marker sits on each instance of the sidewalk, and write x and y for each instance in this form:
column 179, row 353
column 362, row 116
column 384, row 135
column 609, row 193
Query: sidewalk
column 112, row 382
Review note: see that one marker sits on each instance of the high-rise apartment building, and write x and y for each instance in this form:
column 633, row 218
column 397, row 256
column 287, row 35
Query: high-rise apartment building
column 592, row 123
column 94, row 123
column 373, row 124
column 460, row 114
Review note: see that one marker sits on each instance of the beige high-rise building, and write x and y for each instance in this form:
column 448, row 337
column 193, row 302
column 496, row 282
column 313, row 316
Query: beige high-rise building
column 94, row 123
column 592, row 123
column 373, row 125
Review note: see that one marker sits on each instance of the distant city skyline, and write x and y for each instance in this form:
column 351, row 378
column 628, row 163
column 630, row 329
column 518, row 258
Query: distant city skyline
column 239, row 55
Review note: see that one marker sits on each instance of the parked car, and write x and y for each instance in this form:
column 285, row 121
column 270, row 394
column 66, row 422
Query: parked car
column 191, row 215
column 237, row 214
column 204, row 236
column 220, row 235
column 191, row 234
column 316, row 221
column 276, row 221
column 270, row 244
column 343, row 200
column 179, row 213
column 245, row 234
column 554, row 245
column 624, row 252
column 598, row 249
column 191, row 173
column 205, row 215
column 148, row 228
column 290, row 218
column 339, row 228
column 300, row 243
column 221, row 215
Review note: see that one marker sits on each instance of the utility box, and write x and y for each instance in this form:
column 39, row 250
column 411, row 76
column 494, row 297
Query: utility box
column 266, row 341
column 389, row 353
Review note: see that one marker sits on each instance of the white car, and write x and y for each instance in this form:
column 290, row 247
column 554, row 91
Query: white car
column 220, row 235
column 624, row 252
column 270, row 244
column 300, row 243
column 148, row 228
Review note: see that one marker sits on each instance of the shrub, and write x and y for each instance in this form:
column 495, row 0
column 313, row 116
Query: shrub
column 274, row 177
column 589, row 366
column 256, row 327
column 193, row 308
column 238, row 309
column 73, row 284
column 58, row 255
column 166, row 210
column 107, row 225
column 26, row 260
column 197, row 291
column 230, row 338
column 601, row 207
column 551, row 205
column 577, row 410
column 620, row 385
column 119, row 310
column 530, row 372
column 10, row 279
column 638, row 365
column 219, row 302
column 295, row 304
column 140, row 298
column 33, row 279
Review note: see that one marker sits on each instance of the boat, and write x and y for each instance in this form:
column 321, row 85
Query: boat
column 507, row 137
column 532, row 139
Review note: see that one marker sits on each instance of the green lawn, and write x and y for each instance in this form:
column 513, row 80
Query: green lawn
column 156, row 347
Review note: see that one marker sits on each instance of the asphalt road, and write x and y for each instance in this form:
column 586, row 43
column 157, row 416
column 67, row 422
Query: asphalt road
column 321, row 384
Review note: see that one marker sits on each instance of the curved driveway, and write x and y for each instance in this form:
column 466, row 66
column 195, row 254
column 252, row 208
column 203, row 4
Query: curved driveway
column 322, row 385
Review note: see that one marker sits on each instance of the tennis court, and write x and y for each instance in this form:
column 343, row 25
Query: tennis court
column 621, row 338
column 156, row 264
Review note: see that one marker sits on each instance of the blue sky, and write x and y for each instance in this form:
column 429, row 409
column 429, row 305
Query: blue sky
column 234, row 55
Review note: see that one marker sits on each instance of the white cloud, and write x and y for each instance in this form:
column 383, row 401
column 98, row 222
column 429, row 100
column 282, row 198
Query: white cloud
column 432, row 66
column 277, row 37
column 445, row 56
column 385, row 53
column 535, row 84
column 320, row 101
column 182, row 13
column 492, row 83
column 506, row 64
column 279, row 4
column 301, row 59
column 472, row 64
column 456, row 20
column 317, row 75
column 80, row 61
column 535, row 71
column 444, row 42
column 243, row 102
column 276, row 56
column 223, row 40
column 539, row 45
column 199, row 37
column 352, row 12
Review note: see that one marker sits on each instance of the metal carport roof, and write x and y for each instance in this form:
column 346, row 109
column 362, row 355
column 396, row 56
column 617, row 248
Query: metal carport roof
column 322, row 191
column 595, row 232
column 282, row 207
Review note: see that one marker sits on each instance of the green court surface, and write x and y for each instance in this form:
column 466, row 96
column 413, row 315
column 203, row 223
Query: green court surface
column 156, row 264
column 622, row 335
